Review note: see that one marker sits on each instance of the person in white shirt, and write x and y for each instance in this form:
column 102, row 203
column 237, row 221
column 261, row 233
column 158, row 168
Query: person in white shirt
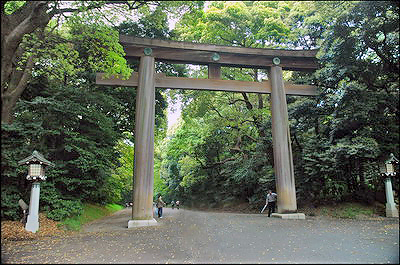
column 271, row 202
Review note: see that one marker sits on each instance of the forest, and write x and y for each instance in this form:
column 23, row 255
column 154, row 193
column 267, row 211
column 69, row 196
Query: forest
column 220, row 152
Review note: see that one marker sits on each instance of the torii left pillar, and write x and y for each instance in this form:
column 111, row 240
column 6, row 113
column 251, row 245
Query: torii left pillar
column 142, row 210
column 283, row 160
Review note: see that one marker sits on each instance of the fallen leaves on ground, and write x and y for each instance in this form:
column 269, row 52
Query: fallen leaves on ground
column 392, row 226
column 15, row 230
column 233, row 208
column 328, row 210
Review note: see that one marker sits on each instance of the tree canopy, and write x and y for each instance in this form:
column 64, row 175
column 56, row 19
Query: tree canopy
column 59, row 110
column 338, row 137
column 221, row 152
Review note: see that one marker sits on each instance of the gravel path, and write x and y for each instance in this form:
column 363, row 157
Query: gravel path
column 186, row 236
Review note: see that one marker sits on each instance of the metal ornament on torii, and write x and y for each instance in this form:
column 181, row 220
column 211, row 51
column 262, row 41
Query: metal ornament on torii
column 215, row 56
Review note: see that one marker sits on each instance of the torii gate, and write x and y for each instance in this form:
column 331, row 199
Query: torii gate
column 215, row 56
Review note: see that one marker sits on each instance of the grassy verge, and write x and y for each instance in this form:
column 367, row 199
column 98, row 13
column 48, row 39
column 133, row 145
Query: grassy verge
column 90, row 212
column 350, row 210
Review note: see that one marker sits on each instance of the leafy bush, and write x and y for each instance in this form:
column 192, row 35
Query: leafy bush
column 56, row 207
column 64, row 208
column 10, row 209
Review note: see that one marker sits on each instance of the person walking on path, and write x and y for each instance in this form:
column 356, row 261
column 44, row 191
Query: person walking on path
column 160, row 204
column 271, row 202
column 177, row 204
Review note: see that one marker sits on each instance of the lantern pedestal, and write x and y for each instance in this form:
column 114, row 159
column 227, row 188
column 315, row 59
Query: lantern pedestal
column 36, row 173
column 32, row 223
column 391, row 210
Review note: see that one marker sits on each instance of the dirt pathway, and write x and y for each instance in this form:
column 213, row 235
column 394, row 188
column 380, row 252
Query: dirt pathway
column 185, row 236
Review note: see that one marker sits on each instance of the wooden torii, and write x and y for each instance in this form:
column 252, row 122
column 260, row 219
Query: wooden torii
column 215, row 56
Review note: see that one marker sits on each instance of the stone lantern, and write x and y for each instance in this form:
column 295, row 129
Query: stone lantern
column 36, row 172
column 387, row 170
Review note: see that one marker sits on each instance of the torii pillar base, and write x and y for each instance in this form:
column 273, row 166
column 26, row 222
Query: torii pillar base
column 300, row 216
column 139, row 223
column 391, row 210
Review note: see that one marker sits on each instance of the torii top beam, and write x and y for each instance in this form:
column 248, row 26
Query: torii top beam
column 198, row 53
column 215, row 56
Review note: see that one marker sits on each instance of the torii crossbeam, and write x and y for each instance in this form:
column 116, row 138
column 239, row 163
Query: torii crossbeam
column 215, row 56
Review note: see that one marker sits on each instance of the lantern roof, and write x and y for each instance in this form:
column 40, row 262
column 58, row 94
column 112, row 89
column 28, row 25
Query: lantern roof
column 392, row 159
column 35, row 157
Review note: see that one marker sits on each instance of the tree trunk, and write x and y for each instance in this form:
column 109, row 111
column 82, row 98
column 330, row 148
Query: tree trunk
column 316, row 127
column 362, row 184
column 16, row 85
column 6, row 110
column 32, row 16
column 27, row 19
column 349, row 176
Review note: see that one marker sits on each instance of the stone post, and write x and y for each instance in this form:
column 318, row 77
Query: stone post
column 142, row 210
column 391, row 210
column 36, row 172
column 283, row 162
column 32, row 223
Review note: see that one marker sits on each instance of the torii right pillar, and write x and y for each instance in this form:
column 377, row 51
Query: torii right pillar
column 283, row 160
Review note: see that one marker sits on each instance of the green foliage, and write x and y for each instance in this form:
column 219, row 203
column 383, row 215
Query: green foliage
column 90, row 212
column 56, row 207
column 71, row 136
column 218, row 155
column 119, row 185
column 12, row 6
column 71, row 224
column 238, row 23
column 347, row 210
column 112, row 207
column 355, row 122
column 13, row 183
column 223, row 149
column 98, row 46
column 211, row 159
column 74, row 123
column 76, row 127
column 9, row 204
column 63, row 209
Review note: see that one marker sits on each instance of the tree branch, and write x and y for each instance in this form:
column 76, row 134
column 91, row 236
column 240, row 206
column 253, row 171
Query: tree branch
column 14, row 32
column 297, row 141
column 131, row 6
column 247, row 101
column 24, row 79
column 198, row 160
column 236, row 100
column 260, row 99
column 220, row 115
column 250, row 137
column 229, row 41
column 220, row 162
